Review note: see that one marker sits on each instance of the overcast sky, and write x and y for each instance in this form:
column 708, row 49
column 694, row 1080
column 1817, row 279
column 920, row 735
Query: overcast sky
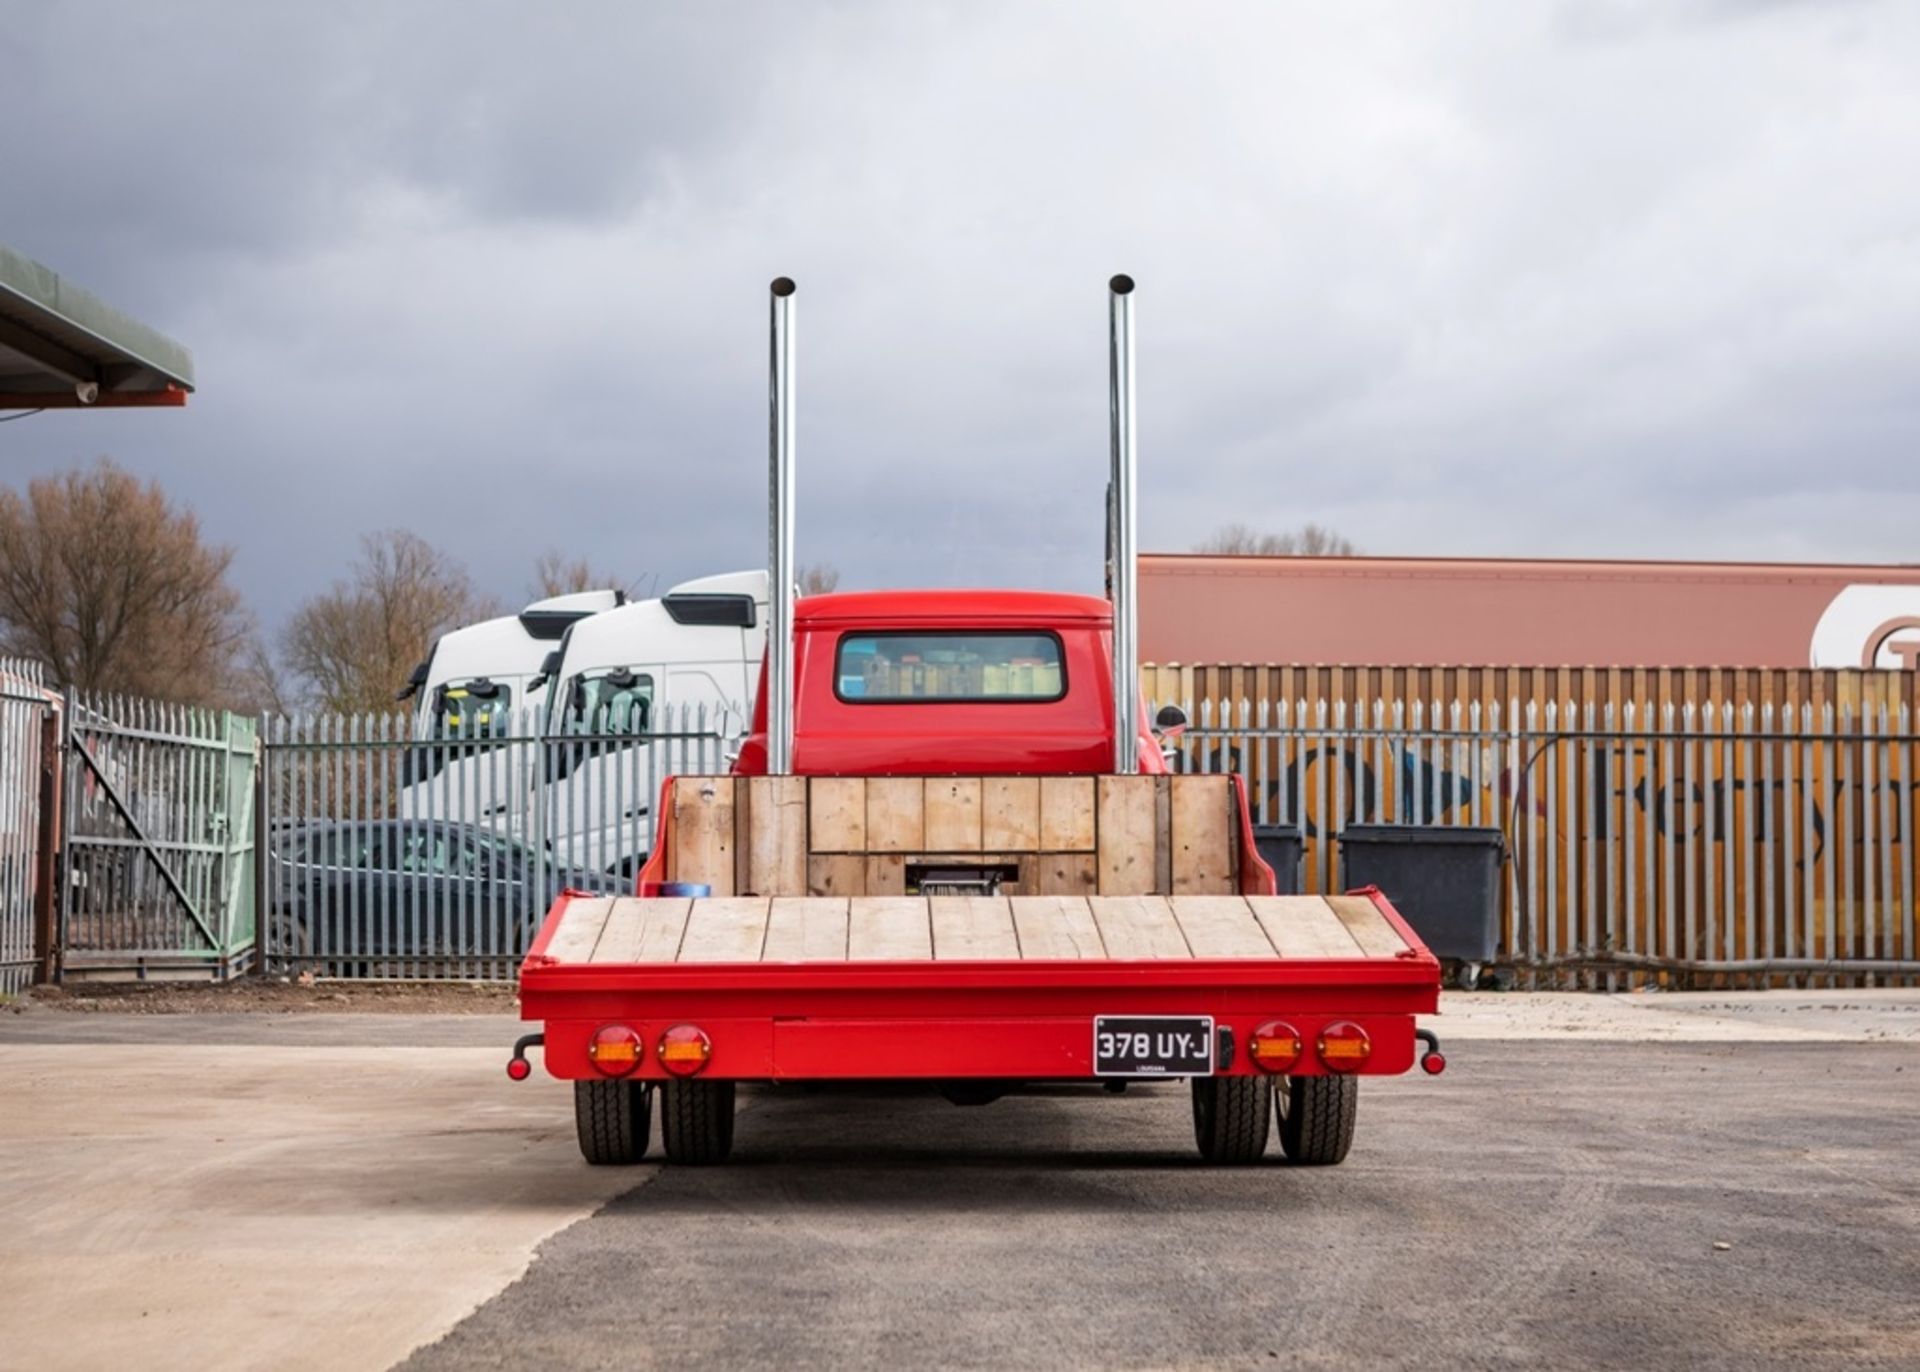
column 1610, row 279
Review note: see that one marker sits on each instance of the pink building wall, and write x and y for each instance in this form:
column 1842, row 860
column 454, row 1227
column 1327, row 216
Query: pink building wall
column 1412, row 611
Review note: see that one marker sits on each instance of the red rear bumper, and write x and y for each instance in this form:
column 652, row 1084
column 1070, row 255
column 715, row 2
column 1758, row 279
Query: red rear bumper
column 944, row 1020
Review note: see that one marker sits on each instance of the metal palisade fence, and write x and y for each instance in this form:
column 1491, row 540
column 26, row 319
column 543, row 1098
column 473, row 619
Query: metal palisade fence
column 1699, row 843
column 26, row 709
column 1707, row 844
column 392, row 855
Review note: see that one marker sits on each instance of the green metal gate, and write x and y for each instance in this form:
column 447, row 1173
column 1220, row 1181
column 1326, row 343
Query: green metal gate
column 158, row 873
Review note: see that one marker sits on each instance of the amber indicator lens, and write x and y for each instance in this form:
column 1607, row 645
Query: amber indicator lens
column 1275, row 1046
column 684, row 1050
column 1344, row 1046
column 614, row 1050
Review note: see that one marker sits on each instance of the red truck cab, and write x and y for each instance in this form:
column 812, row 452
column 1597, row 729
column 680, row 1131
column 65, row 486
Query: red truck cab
column 908, row 683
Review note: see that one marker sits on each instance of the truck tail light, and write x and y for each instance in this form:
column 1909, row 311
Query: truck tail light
column 684, row 1050
column 1275, row 1047
column 1344, row 1046
column 614, row 1050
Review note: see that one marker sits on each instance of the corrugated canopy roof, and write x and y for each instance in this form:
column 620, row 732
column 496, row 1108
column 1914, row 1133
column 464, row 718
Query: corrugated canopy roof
column 62, row 347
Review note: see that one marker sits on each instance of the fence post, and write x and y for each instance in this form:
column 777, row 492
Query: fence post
column 262, row 911
column 69, row 780
column 224, row 832
column 46, row 875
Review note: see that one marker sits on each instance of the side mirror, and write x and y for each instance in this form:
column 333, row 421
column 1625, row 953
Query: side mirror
column 414, row 683
column 549, row 668
column 1171, row 719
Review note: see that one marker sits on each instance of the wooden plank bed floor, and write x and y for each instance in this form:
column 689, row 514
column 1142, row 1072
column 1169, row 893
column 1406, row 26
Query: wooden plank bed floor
column 785, row 929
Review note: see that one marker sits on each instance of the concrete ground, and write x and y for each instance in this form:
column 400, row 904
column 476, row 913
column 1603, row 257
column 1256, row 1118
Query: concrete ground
column 290, row 1191
column 267, row 1193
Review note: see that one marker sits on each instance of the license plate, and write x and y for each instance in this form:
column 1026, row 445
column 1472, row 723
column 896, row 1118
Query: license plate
column 1153, row 1045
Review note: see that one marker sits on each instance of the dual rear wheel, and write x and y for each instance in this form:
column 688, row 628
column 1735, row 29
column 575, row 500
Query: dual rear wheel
column 1232, row 1117
column 614, row 1120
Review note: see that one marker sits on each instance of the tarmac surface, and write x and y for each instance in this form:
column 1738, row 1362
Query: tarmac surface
column 289, row 1191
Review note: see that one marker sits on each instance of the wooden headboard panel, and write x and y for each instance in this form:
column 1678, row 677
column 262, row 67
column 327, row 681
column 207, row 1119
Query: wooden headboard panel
column 857, row 836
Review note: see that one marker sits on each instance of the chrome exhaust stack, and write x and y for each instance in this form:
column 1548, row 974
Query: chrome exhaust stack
column 780, row 571
column 1123, row 530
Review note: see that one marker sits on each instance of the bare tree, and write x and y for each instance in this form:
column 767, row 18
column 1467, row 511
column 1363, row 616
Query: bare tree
column 554, row 573
column 1309, row 540
column 818, row 578
column 259, row 686
column 110, row 586
column 352, row 647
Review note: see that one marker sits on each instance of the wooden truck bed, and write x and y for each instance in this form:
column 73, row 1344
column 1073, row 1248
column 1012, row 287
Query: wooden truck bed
column 607, row 931
column 805, row 988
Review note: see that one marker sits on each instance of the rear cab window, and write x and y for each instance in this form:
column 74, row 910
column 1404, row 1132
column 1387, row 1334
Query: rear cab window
column 920, row 666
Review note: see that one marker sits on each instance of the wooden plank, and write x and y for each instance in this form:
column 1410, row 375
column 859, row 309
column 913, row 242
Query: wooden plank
column 1066, row 815
column 1063, row 874
column 1056, row 928
column 836, row 874
column 730, row 929
column 640, row 930
column 777, row 855
column 972, row 928
column 743, row 834
column 886, row 875
column 806, row 929
column 703, row 832
column 952, row 814
column 1376, row 937
column 1221, row 927
column 1010, row 814
column 889, row 929
column 838, row 821
column 1303, row 927
column 895, row 806
column 1202, row 851
column 1126, row 835
column 1138, row 927
column 580, row 929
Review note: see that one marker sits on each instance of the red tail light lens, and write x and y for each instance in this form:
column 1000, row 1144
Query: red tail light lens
column 1344, row 1046
column 1275, row 1047
column 614, row 1050
column 684, row 1050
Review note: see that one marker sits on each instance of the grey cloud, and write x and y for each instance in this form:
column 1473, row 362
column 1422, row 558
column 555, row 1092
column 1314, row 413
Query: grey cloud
column 1457, row 280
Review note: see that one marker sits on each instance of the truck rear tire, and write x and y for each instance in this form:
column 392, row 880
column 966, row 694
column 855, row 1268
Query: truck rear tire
column 1316, row 1118
column 613, row 1119
column 696, row 1121
column 1231, row 1116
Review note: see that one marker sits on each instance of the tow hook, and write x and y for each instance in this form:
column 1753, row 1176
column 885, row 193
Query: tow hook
column 1433, row 1062
column 517, row 1066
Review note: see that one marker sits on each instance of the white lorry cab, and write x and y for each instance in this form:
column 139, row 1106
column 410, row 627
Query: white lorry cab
column 482, row 682
column 477, row 677
column 636, row 693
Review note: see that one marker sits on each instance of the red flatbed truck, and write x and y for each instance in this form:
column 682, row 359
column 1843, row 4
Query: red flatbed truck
column 939, row 859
